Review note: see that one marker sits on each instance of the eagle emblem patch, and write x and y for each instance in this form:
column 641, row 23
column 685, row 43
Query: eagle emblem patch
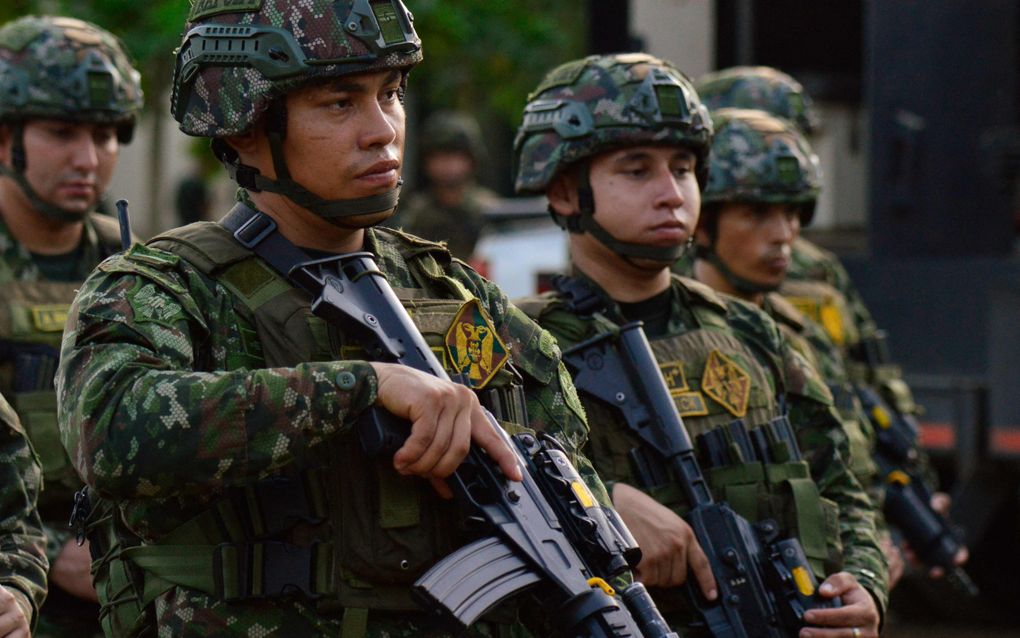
column 475, row 349
column 726, row 382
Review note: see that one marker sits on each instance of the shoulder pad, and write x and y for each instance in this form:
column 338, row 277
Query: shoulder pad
column 700, row 293
column 150, row 263
column 152, row 257
column 408, row 238
column 783, row 311
column 206, row 245
column 537, row 305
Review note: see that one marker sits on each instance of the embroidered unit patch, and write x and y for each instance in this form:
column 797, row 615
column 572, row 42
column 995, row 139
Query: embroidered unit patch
column 475, row 349
column 49, row 317
column 726, row 382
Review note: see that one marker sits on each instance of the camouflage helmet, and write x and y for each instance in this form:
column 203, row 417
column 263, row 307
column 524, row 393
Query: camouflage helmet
column 762, row 88
column 67, row 69
column 452, row 131
column 761, row 159
column 237, row 56
column 602, row 102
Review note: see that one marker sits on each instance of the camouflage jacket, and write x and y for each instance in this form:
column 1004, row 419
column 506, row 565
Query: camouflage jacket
column 166, row 405
column 459, row 226
column 811, row 341
column 23, row 563
column 818, row 429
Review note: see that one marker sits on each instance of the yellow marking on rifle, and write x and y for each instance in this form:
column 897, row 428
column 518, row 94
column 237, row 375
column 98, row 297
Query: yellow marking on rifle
column 898, row 477
column 582, row 494
column 601, row 584
column 881, row 417
column 803, row 581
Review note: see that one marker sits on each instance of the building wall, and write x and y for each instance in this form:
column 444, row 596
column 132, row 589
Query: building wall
column 683, row 31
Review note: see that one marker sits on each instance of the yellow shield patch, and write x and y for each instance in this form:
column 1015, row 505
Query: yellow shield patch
column 475, row 349
column 825, row 312
column 727, row 383
column 50, row 317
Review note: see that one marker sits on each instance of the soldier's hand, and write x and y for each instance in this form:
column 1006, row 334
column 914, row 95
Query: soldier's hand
column 893, row 558
column 858, row 612
column 668, row 545
column 71, row 571
column 13, row 623
column 446, row 419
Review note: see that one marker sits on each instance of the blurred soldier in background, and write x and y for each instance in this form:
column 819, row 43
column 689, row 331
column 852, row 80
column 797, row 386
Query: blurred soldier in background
column 816, row 283
column 762, row 188
column 69, row 98
column 619, row 145
column 452, row 207
column 205, row 401
column 23, row 554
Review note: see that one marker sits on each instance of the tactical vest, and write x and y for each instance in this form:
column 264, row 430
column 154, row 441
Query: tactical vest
column 715, row 379
column 32, row 317
column 352, row 528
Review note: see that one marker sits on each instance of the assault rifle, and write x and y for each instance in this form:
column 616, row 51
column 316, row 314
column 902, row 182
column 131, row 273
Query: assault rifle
column 765, row 584
column 548, row 531
column 907, row 497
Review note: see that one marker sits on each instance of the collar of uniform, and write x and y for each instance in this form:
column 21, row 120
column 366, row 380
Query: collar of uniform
column 783, row 311
column 680, row 317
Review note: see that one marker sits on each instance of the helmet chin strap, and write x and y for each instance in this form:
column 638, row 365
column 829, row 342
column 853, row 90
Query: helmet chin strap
column 740, row 284
column 585, row 223
column 335, row 211
column 17, row 173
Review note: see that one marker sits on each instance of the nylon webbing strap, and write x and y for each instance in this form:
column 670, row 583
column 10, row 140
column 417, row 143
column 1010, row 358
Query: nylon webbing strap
column 811, row 524
column 236, row 571
column 257, row 232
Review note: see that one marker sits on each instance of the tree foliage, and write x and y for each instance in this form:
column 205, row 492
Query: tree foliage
column 486, row 55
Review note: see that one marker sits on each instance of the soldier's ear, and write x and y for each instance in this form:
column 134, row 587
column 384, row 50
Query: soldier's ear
column 562, row 195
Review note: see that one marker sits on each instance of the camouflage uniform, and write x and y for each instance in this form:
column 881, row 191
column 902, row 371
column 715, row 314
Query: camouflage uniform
column 459, row 226
column 68, row 70
column 422, row 214
column 817, row 283
column 23, row 561
column 723, row 359
column 203, row 399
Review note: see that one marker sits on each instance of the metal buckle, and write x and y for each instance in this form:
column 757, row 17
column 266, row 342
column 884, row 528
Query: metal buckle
column 255, row 230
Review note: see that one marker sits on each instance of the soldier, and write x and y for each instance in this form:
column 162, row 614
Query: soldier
column 619, row 145
column 816, row 282
column 201, row 396
column 68, row 99
column 453, row 206
column 762, row 189
column 23, row 561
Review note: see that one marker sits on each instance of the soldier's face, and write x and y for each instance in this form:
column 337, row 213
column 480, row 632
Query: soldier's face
column 345, row 138
column 646, row 194
column 68, row 164
column 755, row 240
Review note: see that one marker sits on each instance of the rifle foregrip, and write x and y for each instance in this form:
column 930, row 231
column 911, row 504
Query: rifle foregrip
column 474, row 579
column 645, row 613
